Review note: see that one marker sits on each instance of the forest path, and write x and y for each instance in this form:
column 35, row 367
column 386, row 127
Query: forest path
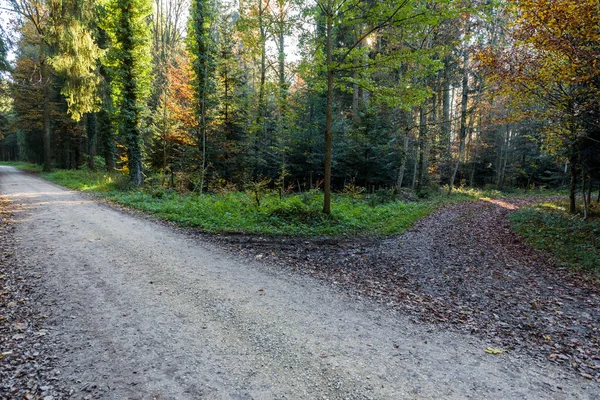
column 138, row 310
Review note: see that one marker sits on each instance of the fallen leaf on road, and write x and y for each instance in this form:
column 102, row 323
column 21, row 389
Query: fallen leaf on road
column 493, row 350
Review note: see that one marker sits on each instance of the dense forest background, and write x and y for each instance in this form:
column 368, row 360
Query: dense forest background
column 342, row 95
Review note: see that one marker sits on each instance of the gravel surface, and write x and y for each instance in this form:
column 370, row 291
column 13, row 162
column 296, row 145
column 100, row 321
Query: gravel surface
column 139, row 310
column 463, row 269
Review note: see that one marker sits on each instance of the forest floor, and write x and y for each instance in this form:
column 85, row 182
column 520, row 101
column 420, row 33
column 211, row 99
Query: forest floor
column 129, row 307
column 464, row 269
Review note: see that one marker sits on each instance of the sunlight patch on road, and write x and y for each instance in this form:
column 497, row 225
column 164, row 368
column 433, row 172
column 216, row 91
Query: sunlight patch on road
column 502, row 204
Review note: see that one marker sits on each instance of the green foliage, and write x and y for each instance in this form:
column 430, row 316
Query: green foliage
column 4, row 45
column 201, row 46
column 97, row 182
column 237, row 212
column 26, row 166
column 548, row 226
column 296, row 215
column 76, row 56
column 129, row 62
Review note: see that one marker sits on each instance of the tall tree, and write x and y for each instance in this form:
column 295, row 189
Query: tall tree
column 36, row 13
column 129, row 62
column 66, row 45
column 375, row 17
column 201, row 48
column 551, row 72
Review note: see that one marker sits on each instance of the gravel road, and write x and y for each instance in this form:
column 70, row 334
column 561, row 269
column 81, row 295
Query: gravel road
column 139, row 310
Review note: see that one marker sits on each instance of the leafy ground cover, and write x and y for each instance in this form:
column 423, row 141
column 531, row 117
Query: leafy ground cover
column 548, row 226
column 242, row 212
column 266, row 212
column 23, row 165
column 27, row 370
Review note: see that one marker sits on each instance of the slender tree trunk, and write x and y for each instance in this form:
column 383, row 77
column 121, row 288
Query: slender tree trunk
column 573, row 184
column 46, row 120
column 463, row 119
column 422, row 162
column 92, row 139
column 263, row 68
column 473, row 138
column 584, row 195
column 328, row 113
column 281, row 119
column 107, row 139
column 164, row 136
column 461, row 148
column 403, row 164
column 355, row 98
column 446, row 107
column 355, row 93
column 434, row 135
column 204, row 127
column 504, row 159
column 281, row 60
column 415, row 168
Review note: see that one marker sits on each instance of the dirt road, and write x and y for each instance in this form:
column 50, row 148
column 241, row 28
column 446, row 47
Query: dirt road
column 139, row 310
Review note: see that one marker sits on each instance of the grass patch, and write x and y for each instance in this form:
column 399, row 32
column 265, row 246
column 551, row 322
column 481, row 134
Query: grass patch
column 23, row 165
column 296, row 215
column 548, row 226
column 88, row 181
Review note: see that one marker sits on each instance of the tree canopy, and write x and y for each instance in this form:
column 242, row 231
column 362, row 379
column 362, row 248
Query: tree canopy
column 298, row 96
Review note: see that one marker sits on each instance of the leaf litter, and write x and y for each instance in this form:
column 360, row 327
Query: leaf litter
column 464, row 269
column 28, row 370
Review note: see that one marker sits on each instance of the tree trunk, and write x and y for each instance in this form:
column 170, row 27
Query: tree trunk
column 46, row 120
column 573, row 184
column 463, row 119
column 403, row 165
column 281, row 59
column 281, row 119
column 92, row 139
column 473, row 138
column 107, row 139
column 328, row 114
column 355, row 98
column 422, row 161
column 446, row 108
column 584, row 196
column 415, row 168
column 504, row 160
column 130, row 112
column 263, row 68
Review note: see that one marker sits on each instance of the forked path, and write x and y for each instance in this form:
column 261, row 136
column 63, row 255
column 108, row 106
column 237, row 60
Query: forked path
column 138, row 310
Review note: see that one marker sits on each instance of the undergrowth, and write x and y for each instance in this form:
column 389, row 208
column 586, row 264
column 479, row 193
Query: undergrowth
column 23, row 165
column 296, row 214
column 549, row 226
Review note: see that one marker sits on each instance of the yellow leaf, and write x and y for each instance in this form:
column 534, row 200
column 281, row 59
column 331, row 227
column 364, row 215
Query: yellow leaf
column 493, row 350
